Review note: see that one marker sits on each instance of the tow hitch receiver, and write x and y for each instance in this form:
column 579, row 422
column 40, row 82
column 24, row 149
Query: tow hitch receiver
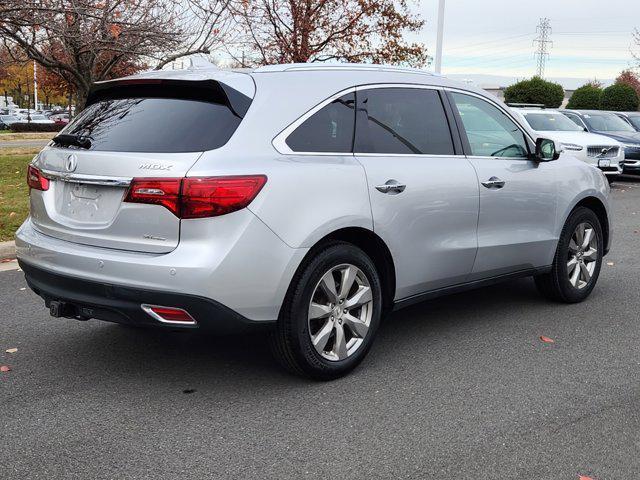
column 55, row 309
column 59, row 309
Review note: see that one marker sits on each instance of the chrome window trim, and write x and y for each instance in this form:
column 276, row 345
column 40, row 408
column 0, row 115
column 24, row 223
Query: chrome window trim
column 87, row 179
column 280, row 144
column 421, row 155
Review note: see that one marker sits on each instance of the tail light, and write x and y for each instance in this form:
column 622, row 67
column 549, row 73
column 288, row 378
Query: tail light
column 197, row 197
column 169, row 314
column 36, row 180
column 156, row 191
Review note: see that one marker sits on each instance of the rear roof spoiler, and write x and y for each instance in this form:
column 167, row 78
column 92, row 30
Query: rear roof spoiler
column 198, row 90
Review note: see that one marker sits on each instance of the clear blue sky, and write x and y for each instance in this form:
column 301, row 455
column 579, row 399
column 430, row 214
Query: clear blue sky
column 591, row 38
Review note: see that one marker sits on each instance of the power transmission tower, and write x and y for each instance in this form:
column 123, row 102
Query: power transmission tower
column 543, row 44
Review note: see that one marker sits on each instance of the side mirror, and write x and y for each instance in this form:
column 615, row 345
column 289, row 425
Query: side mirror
column 546, row 150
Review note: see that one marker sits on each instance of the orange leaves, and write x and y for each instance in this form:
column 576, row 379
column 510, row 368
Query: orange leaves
column 115, row 30
column 5, row 368
column 584, row 477
column 547, row 339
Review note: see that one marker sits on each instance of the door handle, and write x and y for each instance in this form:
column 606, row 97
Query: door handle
column 391, row 186
column 493, row 183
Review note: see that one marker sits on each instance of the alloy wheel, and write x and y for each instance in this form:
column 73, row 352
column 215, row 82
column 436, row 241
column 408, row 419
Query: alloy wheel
column 582, row 255
column 340, row 312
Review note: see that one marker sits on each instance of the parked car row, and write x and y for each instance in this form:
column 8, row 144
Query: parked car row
column 23, row 115
column 608, row 140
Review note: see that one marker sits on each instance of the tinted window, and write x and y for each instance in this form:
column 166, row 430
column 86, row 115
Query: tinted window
column 491, row 133
column 175, row 123
column 328, row 130
column 402, row 120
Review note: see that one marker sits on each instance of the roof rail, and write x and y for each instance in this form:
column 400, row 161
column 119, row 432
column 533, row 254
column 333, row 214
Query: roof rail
column 297, row 67
column 527, row 105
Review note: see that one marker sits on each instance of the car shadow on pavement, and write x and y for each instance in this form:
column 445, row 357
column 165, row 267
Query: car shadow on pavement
column 196, row 360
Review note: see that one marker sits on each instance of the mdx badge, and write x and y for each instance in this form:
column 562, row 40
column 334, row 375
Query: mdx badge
column 154, row 166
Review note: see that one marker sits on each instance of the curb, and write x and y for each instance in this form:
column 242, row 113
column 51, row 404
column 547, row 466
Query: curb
column 7, row 250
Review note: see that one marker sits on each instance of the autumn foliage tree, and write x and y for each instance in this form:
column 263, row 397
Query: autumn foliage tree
column 628, row 77
column 288, row 31
column 85, row 41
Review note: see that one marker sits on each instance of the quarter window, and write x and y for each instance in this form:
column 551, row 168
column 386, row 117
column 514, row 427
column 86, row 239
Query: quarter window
column 402, row 121
column 491, row 133
column 329, row 130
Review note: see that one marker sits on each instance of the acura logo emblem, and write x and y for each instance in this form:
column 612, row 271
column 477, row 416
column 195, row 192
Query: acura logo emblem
column 71, row 163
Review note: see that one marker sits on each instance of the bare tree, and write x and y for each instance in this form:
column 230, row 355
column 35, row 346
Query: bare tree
column 281, row 31
column 85, row 41
column 635, row 48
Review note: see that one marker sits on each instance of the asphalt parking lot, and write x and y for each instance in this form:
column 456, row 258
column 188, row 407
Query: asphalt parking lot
column 457, row 388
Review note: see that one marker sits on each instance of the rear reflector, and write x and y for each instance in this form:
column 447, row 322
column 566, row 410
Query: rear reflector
column 197, row 197
column 169, row 314
column 36, row 180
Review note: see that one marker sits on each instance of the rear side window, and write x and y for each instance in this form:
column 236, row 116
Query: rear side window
column 402, row 121
column 329, row 130
column 159, row 119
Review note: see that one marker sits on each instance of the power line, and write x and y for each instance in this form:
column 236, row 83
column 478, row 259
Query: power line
column 544, row 44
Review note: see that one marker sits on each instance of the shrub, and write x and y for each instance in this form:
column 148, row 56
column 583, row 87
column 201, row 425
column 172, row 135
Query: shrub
column 620, row 98
column 587, row 97
column 36, row 127
column 536, row 90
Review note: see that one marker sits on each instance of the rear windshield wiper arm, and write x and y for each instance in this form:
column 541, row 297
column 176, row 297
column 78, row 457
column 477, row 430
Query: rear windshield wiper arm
column 67, row 139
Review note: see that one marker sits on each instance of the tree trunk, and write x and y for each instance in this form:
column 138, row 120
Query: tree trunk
column 82, row 94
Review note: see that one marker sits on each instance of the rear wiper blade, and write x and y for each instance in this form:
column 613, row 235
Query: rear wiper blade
column 67, row 139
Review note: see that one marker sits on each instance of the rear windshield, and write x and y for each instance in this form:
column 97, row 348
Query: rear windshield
column 160, row 118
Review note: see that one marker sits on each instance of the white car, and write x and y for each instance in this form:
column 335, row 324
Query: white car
column 598, row 150
column 39, row 118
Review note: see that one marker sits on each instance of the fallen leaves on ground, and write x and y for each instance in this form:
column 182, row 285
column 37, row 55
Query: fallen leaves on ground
column 547, row 339
column 11, row 350
column 5, row 368
column 584, row 477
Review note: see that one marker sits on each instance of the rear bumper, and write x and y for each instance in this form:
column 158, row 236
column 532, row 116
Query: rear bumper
column 234, row 260
column 84, row 299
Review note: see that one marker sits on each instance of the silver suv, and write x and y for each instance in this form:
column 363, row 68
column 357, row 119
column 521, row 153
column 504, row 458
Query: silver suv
column 309, row 200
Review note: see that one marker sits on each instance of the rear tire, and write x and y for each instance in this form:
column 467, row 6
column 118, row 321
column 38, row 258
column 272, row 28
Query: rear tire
column 578, row 259
column 325, row 331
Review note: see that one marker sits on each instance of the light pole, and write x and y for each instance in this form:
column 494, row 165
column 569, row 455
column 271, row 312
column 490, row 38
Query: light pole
column 35, row 85
column 440, row 34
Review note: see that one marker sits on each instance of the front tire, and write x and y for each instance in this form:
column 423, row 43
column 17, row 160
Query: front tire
column 578, row 260
column 330, row 315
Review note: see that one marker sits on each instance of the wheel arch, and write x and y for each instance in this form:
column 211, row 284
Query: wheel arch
column 373, row 246
column 597, row 206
